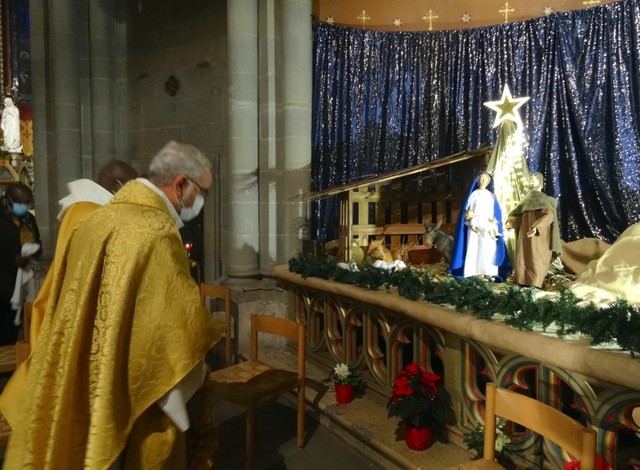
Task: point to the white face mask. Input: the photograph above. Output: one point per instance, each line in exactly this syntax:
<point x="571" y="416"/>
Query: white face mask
<point x="190" y="213"/>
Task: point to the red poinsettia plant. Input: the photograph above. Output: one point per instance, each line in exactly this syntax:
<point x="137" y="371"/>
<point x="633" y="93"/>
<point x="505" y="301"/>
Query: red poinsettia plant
<point x="418" y="397"/>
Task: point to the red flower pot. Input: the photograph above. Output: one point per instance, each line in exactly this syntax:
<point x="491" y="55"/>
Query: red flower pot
<point x="344" y="393"/>
<point x="417" y="438"/>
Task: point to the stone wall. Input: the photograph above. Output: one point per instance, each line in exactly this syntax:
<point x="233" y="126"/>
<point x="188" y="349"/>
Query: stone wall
<point x="188" y="41"/>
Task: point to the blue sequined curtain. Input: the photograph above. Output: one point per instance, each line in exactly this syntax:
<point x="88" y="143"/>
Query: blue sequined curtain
<point x="388" y="100"/>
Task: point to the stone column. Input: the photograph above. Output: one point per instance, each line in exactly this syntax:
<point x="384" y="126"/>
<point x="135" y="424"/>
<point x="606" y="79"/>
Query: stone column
<point x="296" y="124"/>
<point x="285" y="127"/>
<point x="44" y="187"/>
<point x="269" y="111"/>
<point x="73" y="99"/>
<point x="56" y="89"/>
<point x="240" y="206"/>
<point x="65" y="100"/>
<point x="102" y="84"/>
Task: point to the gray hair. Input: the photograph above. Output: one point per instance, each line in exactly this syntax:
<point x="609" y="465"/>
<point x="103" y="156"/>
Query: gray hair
<point x="176" y="159"/>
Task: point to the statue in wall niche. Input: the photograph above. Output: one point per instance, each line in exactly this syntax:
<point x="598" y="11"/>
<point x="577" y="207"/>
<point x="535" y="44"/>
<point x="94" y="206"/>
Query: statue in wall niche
<point x="478" y="245"/>
<point x="538" y="236"/>
<point x="10" y="125"/>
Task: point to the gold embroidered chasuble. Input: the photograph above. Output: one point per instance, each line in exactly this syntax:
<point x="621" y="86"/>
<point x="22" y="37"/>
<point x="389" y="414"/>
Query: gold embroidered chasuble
<point x="124" y="325"/>
<point x="15" y="389"/>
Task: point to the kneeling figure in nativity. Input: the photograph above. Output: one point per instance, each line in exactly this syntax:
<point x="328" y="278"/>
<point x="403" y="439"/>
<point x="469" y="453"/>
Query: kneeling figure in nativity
<point x="615" y="274"/>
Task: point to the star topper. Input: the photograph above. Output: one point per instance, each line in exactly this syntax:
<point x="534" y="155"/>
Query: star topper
<point x="507" y="107"/>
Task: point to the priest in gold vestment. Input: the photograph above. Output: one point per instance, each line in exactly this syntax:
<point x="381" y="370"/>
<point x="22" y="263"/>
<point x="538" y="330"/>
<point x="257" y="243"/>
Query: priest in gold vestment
<point x="125" y="332"/>
<point x="85" y="196"/>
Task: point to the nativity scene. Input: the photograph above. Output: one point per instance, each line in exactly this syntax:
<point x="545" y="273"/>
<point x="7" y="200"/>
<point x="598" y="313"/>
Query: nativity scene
<point x="324" y="233"/>
<point x="531" y="255"/>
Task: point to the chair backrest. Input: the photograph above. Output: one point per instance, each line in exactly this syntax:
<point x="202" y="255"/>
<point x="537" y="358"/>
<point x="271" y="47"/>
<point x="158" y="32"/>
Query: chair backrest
<point x="280" y="327"/>
<point x="218" y="291"/>
<point x="23" y="351"/>
<point x="215" y="291"/>
<point x="27" y="310"/>
<point x="578" y="440"/>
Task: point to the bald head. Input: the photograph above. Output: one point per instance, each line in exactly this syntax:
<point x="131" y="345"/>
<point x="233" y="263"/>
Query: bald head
<point x="114" y="174"/>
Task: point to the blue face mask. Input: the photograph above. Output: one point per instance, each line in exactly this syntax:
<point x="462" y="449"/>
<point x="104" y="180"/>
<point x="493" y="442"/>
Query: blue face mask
<point x="19" y="209"/>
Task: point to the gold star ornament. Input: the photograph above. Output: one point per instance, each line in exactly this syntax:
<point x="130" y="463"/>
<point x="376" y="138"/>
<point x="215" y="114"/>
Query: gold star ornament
<point x="507" y="107"/>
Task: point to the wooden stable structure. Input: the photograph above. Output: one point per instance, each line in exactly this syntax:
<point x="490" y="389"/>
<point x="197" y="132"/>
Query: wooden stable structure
<point x="396" y="205"/>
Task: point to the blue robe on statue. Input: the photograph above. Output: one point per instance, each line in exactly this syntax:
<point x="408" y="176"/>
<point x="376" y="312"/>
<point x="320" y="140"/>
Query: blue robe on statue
<point x="462" y="238"/>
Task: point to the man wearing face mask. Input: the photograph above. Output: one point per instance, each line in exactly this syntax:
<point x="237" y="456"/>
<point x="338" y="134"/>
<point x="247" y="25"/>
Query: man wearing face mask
<point x="17" y="227"/>
<point x="121" y="346"/>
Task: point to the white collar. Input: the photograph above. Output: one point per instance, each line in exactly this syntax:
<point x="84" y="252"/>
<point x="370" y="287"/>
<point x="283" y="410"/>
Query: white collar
<point x="172" y="210"/>
<point x="83" y="190"/>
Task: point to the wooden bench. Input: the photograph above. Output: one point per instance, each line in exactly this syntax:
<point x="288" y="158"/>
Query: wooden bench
<point x="7" y="358"/>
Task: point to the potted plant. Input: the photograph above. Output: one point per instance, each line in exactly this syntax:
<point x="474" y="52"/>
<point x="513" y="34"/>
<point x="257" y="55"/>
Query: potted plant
<point x="418" y="398"/>
<point x="474" y="439"/>
<point x="344" y="380"/>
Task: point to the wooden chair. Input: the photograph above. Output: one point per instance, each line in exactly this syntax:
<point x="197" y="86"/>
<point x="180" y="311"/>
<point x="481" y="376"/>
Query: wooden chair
<point x="27" y="310"/>
<point x="21" y="352"/>
<point x="9" y="359"/>
<point x="12" y="357"/>
<point x="569" y="434"/>
<point x="7" y="364"/>
<point x="217" y="291"/>
<point x="5" y="432"/>
<point x="253" y="382"/>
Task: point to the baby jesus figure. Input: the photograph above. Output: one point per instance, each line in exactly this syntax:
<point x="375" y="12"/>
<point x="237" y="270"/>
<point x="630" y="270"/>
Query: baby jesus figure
<point x="482" y="225"/>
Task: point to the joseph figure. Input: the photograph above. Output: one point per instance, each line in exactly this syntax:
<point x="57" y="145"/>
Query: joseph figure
<point x="122" y="343"/>
<point x="538" y="235"/>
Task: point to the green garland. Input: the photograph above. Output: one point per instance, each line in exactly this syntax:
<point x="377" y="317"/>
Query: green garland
<point x="619" y="322"/>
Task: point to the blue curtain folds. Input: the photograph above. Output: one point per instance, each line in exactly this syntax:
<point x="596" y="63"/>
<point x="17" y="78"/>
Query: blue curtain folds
<point x="388" y="100"/>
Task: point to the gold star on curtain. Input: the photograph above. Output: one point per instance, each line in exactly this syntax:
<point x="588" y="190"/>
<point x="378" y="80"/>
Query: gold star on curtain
<point x="507" y="107"/>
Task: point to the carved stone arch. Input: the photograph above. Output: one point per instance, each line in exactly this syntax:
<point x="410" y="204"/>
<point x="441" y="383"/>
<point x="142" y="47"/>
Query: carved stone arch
<point x="354" y="346"/>
<point x="25" y="177"/>
<point x="522" y="375"/>
<point x="323" y="311"/>
<point x="415" y="342"/>
<point x="377" y="347"/>
<point x="478" y="367"/>
<point x="7" y="173"/>
<point x="617" y="420"/>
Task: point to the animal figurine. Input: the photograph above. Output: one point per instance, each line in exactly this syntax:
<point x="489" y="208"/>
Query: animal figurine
<point x="377" y="251"/>
<point x="382" y="257"/>
<point x="439" y="239"/>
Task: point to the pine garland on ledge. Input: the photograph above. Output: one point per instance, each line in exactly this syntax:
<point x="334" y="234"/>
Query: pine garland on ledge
<point x="619" y="321"/>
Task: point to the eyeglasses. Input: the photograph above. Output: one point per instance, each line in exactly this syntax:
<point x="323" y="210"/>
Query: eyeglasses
<point x="203" y="191"/>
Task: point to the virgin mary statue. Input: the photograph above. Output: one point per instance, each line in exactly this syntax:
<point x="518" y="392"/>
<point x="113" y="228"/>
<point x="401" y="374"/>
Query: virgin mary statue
<point x="10" y="125"/>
